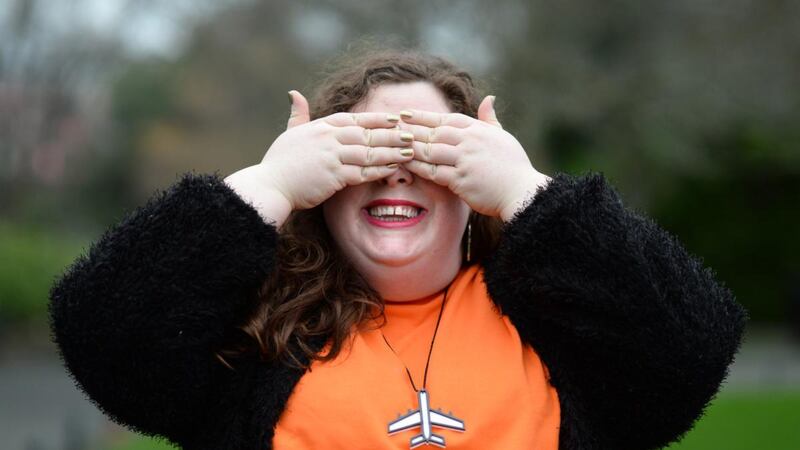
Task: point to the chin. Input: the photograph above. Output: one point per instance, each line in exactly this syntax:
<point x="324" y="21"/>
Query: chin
<point x="397" y="258"/>
<point x="398" y="262"/>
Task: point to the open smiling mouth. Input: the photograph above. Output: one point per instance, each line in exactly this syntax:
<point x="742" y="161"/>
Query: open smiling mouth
<point x="394" y="216"/>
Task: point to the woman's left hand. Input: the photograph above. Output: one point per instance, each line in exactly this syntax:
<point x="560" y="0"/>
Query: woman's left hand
<point x="475" y="158"/>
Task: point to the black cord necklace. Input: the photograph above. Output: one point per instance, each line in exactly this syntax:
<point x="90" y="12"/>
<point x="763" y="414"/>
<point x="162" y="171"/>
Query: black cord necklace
<point x="430" y="351"/>
<point x="424" y="417"/>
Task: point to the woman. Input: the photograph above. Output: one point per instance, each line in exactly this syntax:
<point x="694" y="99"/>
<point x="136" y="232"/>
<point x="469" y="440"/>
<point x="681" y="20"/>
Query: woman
<point x="450" y="295"/>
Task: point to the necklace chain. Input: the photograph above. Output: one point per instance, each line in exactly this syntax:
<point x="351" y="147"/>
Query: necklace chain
<point x="430" y="351"/>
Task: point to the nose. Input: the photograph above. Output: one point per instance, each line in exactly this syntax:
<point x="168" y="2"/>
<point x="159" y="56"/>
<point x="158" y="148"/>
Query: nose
<point x="400" y="176"/>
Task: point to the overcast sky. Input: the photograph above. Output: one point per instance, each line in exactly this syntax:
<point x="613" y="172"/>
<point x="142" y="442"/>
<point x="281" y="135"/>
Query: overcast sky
<point x="144" y="26"/>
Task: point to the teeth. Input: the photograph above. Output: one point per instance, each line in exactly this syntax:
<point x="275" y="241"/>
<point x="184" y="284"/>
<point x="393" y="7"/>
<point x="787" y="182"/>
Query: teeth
<point x="388" y="211"/>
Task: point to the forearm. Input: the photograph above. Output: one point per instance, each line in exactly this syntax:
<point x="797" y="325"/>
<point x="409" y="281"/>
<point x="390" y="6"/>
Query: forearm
<point x="637" y="334"/>
<point x="251" y="184"/>
<point x="138" y="319"/>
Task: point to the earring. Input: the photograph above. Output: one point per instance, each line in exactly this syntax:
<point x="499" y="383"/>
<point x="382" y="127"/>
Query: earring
<point x="469" y="240"/>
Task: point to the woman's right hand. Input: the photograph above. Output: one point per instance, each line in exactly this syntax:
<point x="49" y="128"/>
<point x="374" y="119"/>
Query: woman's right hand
<point x="312" y="160"/>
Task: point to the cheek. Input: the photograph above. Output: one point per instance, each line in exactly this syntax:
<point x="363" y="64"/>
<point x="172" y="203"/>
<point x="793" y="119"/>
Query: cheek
<point x="339" y="209"/>
<point x="452" y="206"/>
<point x="452" y="217"/>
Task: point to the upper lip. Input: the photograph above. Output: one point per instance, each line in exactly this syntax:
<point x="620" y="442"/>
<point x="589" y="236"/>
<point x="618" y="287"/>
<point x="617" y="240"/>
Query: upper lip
<point x="392" y="201"/>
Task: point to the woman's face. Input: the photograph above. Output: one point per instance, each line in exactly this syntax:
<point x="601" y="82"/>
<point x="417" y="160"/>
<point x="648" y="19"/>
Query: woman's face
<point x="407" y="262"/>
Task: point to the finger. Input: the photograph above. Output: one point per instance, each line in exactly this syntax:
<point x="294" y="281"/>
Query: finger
<point x="299" y="110"/>
<point x="434" y="119"/>
<point x="364" y="120"/>
<point x="362" y="155"/>
<point x="439" y="174"/>
<point x="377" y="137"/>
<point x="486" y="112"/>
<point x="436" y="153"/>
<point x="444" y="134"/>
<point x="354" y="174"/>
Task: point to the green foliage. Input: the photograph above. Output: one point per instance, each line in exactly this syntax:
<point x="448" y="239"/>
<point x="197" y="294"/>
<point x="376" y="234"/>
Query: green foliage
<point x="742" y="219"/>
<point x="30" y="261"/>
<point x="143" y="93"/>
<point x="690" y="111"/>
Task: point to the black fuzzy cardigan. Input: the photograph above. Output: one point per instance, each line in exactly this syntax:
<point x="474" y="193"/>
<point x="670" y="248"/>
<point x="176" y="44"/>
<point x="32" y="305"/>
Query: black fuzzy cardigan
<point x="637" y="335"/>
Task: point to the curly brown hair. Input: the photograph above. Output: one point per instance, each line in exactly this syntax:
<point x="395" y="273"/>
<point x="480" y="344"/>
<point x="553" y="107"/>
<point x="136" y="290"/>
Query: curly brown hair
<point x="314" y="291"/>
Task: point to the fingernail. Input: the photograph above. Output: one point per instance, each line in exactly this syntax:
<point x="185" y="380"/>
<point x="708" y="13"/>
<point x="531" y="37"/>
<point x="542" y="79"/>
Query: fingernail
<point x="406" y="136"/>
<point x="406" y="114"/>
<point x="394" y="118"/>
<point x="291" y="99"/>
<point x="407" y="152"/>
<point x="392" y="165"/>
<point x="492" y="100"/>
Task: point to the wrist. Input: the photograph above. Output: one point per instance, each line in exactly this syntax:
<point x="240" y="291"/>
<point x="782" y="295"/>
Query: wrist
<point x="255" y="187"/>
<point x="528" y="188"/>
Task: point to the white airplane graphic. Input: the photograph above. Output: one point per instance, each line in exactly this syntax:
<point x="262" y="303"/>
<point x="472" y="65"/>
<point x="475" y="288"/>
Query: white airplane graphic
<point x="425" y="418"/>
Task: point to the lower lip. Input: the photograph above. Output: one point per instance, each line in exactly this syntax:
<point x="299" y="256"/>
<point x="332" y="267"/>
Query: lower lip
<point x="398" y="224"/>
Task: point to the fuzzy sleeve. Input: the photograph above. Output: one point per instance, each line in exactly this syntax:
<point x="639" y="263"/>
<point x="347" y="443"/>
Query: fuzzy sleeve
<point x="637" y="334"/>
<point x="137" y="320"/>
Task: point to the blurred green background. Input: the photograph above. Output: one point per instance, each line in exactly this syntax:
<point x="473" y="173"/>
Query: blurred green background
<point x="690" y="108"/>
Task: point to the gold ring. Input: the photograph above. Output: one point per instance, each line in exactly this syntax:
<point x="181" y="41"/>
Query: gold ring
<point x="368" y="136"/>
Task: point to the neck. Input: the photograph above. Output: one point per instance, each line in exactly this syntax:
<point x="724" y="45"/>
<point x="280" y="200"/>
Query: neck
<point x="418" y="301"/>
<point x="415" y="289"/>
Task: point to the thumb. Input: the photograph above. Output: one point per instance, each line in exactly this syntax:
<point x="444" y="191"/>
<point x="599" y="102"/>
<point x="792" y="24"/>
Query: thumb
<point x="486" y="111"/>
<point x="299" y="113"/>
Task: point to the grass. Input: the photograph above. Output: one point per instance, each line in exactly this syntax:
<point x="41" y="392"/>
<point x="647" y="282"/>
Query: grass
<point x="142" y="443"/>
<point x="748" y="421"/>
<point x="735" y="421"/>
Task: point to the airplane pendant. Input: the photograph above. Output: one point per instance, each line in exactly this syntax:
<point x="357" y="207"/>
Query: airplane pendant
<point x="425" y="418"/>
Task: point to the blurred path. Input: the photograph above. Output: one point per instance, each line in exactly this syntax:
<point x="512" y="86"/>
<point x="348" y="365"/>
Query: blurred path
<point x="769" y="360"/>
<point x="41" y="409"/>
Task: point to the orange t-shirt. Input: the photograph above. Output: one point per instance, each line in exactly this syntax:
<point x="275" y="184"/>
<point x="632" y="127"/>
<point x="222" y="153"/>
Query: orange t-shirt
<point x="479" y="370"/>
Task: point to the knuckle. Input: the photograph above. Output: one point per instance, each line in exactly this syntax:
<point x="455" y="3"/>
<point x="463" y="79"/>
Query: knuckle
<point x="321" y="129"/>
<point x="333" y="161"/>
<point x="344" y="177"/>
<point x="339" y="181"/>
